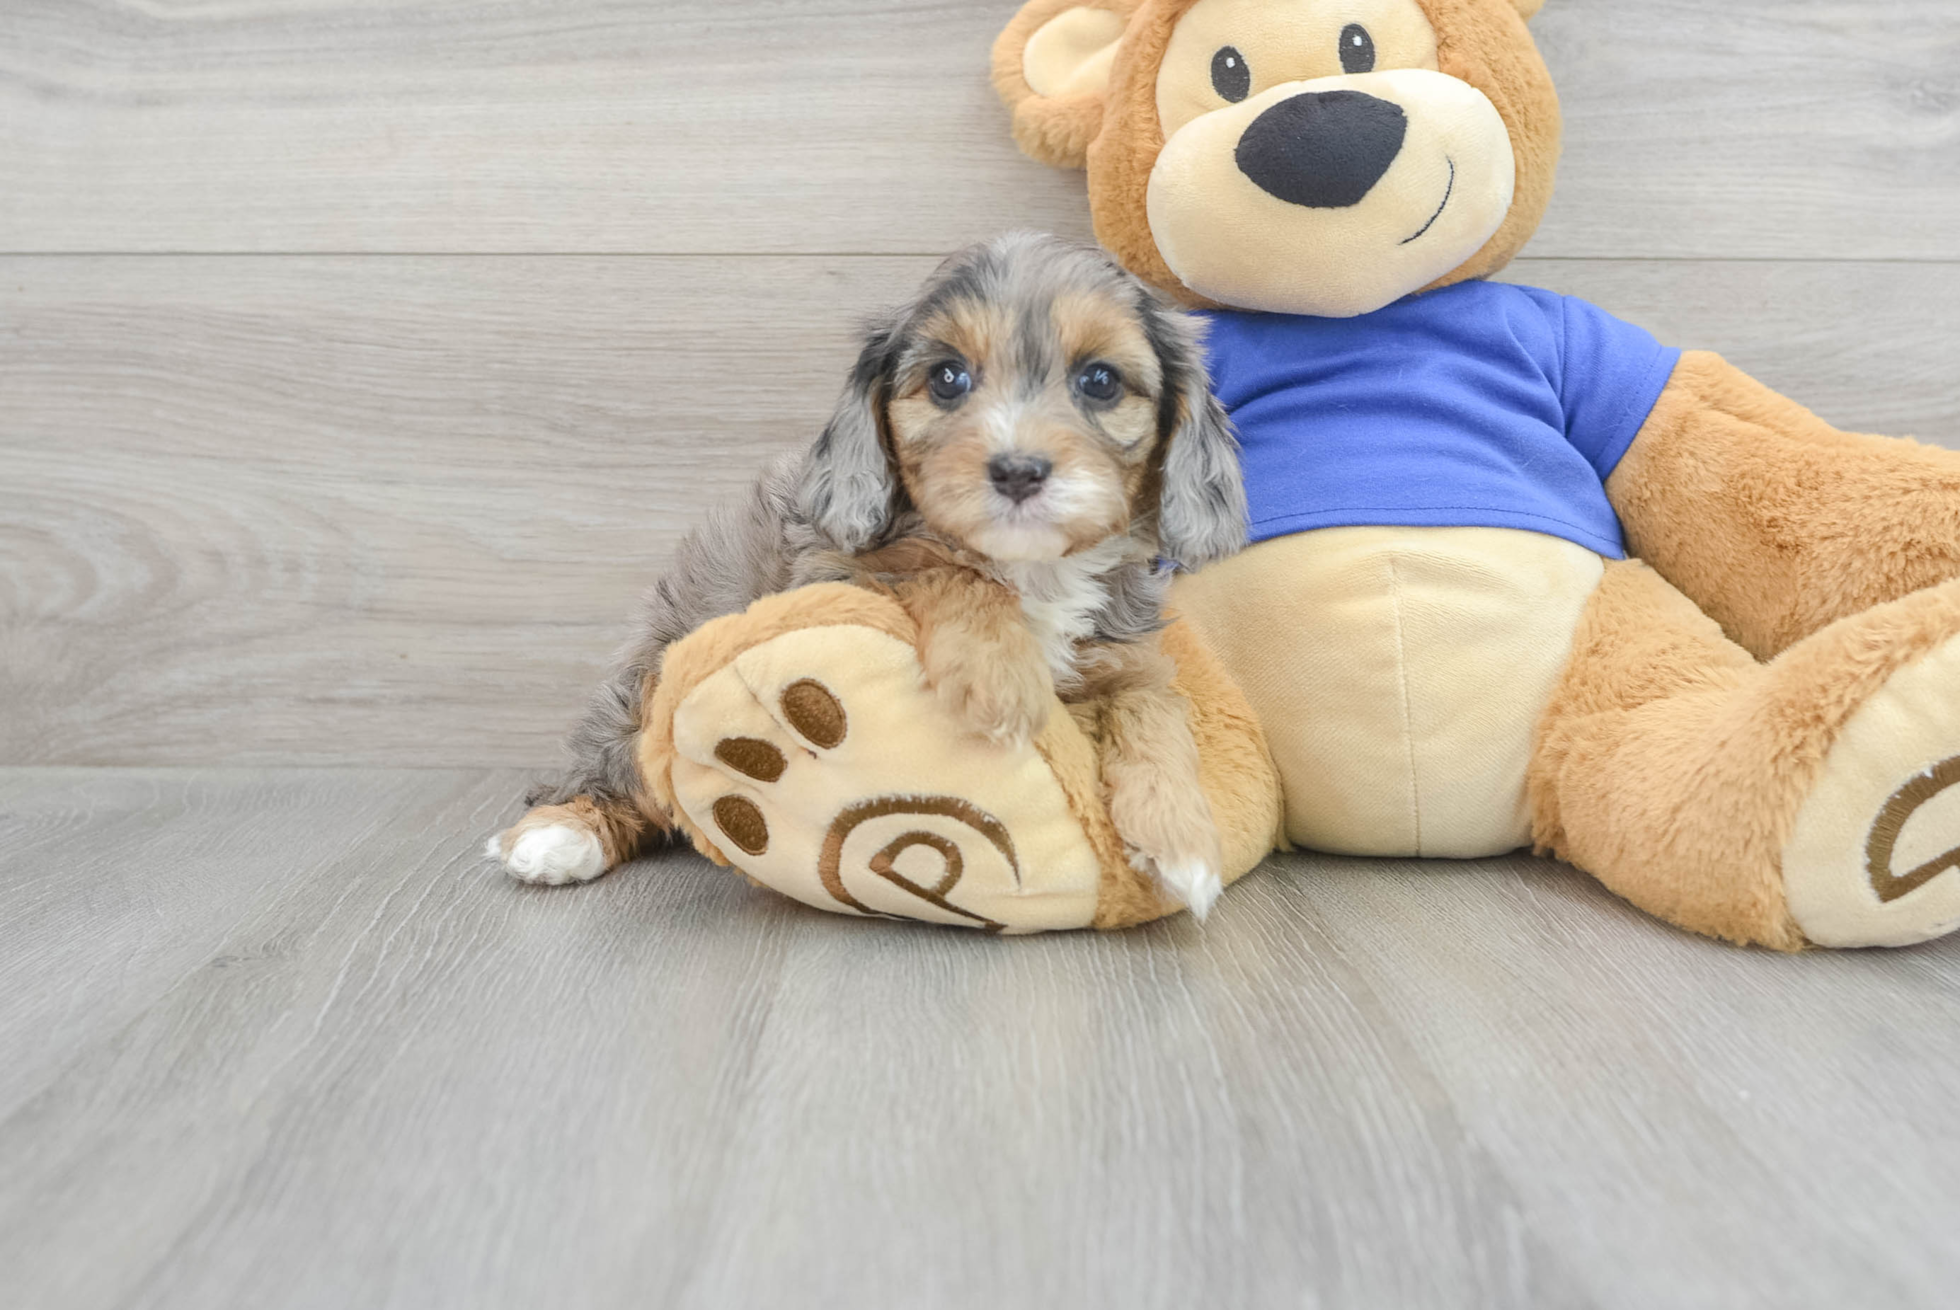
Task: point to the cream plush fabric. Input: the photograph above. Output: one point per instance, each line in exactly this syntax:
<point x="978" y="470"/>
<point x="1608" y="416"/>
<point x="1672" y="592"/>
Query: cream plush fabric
<point x="1399" y="674"/>
<point x="894" y="816"/>
<point x="1853" y="881"/>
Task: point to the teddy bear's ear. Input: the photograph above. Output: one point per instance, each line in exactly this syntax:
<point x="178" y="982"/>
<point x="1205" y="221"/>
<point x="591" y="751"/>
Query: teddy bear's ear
<point x="1529" y="8"/>
<point x="1051" y="66"/>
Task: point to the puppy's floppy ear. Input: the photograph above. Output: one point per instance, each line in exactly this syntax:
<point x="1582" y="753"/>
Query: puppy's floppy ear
<point x="849" y="489"/>
<point x="1051" y="66"/>
<point x="1201" y="512"/>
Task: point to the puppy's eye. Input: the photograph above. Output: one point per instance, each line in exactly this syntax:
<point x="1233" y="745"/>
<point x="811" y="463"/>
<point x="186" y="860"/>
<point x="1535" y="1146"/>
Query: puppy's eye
<point x="949" y="382"/>
<point x="1357" y="49"/>
<point x="1099" y="383"/>
<point x="1229" y="75"/>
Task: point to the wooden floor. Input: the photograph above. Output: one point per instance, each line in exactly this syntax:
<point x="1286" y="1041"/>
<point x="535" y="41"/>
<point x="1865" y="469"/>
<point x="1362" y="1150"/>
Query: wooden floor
<point x="358" y="363"/>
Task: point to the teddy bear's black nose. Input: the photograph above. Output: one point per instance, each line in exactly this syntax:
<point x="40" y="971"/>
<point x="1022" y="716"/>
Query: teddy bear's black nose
<point x="1323" y="149"/>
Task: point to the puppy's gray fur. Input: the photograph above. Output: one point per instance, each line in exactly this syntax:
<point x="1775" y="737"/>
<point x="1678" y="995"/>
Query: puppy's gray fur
<point x="811" y="511"/>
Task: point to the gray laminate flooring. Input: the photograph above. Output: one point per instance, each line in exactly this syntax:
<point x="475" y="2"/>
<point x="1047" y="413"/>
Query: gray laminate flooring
<point x="360" y="360"/>
<point x="281" y="1039"/>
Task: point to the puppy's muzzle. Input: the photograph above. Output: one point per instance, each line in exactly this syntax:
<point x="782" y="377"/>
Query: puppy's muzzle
<point x="1018" y="477"/>
<point x="1323" y="149"/>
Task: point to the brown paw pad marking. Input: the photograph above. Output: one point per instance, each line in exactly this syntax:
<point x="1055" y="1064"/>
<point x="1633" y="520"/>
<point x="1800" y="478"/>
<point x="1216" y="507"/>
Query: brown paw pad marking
<point x="1905" y="803"/>
<point x="741" y="819"/>
<point x="885" y="862"/>
<point x="752" y="757"/>
<point x="814" y="712"/>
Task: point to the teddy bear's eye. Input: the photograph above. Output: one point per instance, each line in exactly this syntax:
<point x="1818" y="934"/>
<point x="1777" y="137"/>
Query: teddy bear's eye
<point x="1229" y="75"/>
<point x="1357" y="50"/>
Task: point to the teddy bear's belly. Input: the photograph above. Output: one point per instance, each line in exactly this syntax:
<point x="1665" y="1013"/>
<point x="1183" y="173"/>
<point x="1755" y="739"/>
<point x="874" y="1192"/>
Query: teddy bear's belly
<point x="1399" y="674"/>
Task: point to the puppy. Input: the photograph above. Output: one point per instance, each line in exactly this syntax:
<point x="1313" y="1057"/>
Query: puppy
<point x="1020" y="457"/>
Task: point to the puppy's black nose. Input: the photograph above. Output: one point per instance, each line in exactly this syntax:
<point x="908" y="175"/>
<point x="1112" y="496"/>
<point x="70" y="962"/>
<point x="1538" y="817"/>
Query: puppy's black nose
<point x="1323" y="149"/>
<point x="1018" y="476"/>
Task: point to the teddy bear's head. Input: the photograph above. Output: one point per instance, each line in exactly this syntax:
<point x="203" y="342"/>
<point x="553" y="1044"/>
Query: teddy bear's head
<point x="1298" y="156"/>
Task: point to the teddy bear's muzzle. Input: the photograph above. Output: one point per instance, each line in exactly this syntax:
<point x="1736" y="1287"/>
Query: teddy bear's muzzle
<point x="1323" y="149"/>
<point x="1334" y="196"/>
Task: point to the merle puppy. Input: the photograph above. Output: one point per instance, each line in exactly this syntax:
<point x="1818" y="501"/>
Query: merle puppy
<point x="1020" y="457"/>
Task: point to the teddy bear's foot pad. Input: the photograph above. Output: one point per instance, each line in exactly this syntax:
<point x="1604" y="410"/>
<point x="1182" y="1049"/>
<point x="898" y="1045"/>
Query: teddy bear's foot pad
<point x="1873" y="858"/>
<point x="820" y="764"/>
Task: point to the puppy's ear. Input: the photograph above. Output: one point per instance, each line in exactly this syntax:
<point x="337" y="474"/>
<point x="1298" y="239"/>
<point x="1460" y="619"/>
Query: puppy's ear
<point x="1051" y="66"/>
<point x="849" y="489"/>
<point x="1201" y="513"/>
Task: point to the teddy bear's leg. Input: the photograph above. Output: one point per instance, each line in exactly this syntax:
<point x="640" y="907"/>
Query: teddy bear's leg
<point x="1801" y="801"/>
<point x="800" y="742"/>
<point x="1771" y="520"/>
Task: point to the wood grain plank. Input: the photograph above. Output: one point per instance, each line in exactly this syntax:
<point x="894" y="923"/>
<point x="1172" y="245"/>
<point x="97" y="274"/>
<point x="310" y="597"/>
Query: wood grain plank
<point x="1755" y="128"/>
<point x="395" y="1079"/>
<point x="1172" y="1116"/>
<point x="1747" y="1129"/>
<point x="403" y="1080"/>
<point x="414" y="1084"/>
<point x="395" y="511"/>
<point x="118" y="885"/>
<point x="466" y="470"/>
<point x="1766" y="129"/>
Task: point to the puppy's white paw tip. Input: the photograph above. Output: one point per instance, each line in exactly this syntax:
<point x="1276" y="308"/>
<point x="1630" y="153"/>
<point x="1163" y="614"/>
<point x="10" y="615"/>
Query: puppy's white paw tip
<point x="1197" y="885"/>
<point x="493" y="849"/>
<point x="558" y="853"/>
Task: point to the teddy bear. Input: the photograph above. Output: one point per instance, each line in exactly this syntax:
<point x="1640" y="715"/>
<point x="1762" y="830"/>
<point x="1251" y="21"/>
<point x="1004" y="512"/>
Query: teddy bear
<point x="1519" y="574"/>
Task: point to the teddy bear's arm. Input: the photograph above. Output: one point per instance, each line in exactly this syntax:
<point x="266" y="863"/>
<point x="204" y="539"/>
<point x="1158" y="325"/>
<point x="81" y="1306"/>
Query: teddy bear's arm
<point x="1771" y="520"/>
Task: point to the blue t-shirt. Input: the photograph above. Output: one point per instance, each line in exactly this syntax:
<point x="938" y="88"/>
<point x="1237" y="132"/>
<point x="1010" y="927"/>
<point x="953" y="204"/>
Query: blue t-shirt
<point x="1480" y="405"/>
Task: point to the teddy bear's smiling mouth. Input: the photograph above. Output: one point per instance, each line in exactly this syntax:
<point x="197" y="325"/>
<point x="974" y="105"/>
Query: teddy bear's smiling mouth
<point x="1448" y="191"/>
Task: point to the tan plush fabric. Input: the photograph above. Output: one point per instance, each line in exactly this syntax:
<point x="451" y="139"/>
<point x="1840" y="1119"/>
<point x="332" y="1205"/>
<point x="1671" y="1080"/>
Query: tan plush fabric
<point x="1486" y="43"/>
<point x="1055" y="129"/>
<point x="894" y="815"/>
<point x="1121" y="156"/>
<point x="1667" y="761"/>
<point x="1671" y="765"/>
<point x="1771" y="520"/>
<point x="1070" y="54"/>
<point x="1120" y="136"/>
<point x="1872" y="851"/>
<point x="1231" y="242"/>
<point x="714" y="645"/>
<point x="1400" y="674"/>
<point x="1235" y="768"/>
<point x="797" y="742"/>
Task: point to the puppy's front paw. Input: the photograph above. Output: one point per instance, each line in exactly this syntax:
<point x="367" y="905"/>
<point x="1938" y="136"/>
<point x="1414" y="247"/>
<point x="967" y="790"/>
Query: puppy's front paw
<point x="551" y="853"/>
<point x="1197" y="884"/>
<point x="1003" y="699"/>
<point x="1169" y="835"/>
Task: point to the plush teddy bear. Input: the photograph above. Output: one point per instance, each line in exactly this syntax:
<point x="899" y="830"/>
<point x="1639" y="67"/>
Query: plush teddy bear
<point x="1520" y="575"/>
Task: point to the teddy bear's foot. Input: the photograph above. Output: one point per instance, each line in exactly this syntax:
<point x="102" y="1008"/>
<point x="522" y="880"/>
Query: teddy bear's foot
<point x="822" y="765"/>
<point x="800" y="742"/>
<point x="1873" y="858"/>
<point x="1807" y="801"/>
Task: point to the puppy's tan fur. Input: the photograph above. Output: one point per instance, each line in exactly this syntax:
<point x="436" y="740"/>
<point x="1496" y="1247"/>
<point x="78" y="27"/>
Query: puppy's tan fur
<point x="1017" y="593"/>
